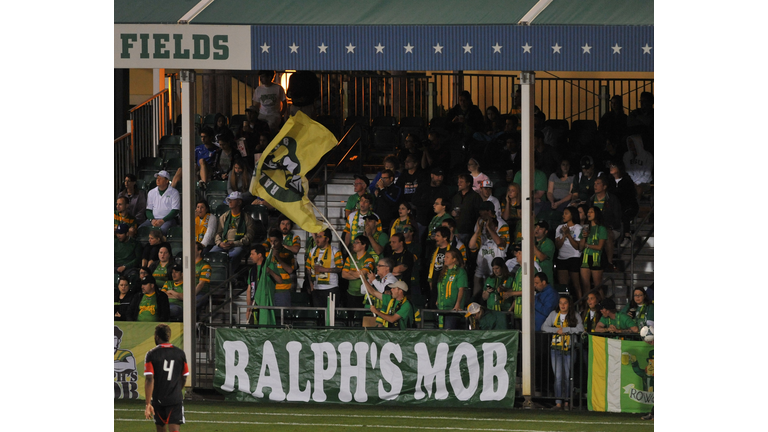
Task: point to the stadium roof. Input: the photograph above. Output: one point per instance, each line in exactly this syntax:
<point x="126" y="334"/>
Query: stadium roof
<point x="605" y="35"/>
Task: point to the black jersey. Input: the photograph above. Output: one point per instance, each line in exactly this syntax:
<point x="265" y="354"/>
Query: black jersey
<point x="168" y="365"/>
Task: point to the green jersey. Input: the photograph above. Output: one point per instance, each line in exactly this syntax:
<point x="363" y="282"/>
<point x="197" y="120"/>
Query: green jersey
<point x="394" y="307"/>
<point x="596" y="233"/>
<point x="495" y="301"/>
<point x="148" y="308"/>
<point x="173" y="286"/>
<point x="448" y="287"/>
<point x="622" y="322"/>
<point x="492" y="321"/>
<point x="547" y="247"/>
<point x="365" y="262"/>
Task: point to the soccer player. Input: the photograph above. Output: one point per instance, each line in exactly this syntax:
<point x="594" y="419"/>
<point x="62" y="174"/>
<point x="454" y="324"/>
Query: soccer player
<point x="164" y="395"/>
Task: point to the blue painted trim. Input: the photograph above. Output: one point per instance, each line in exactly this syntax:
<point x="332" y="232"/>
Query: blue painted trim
<point x="478" y="55"/>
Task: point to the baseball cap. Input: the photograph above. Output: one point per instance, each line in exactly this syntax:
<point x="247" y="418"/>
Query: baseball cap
<point x="587" y="162"/>
<point x="149" y="279"/>
<point x="487" y="205"/>
<point x="543" y="224"/>
<point x="163" y="173"/>
<point x="607" y="304"/>
<point x="472" y="309"/>
<point x="371" y="216"/>
<point x="437" y="171"/>
<point x="517" y="247"/>
<point x="177" y="267"/>
<point x="122" y="228"/>
<point x="486" y="183"/>
<point x="363" y="178"/>
<point x="234" y="195"/>
<point x="399" y="284"/>
<point x="252" y="108"/>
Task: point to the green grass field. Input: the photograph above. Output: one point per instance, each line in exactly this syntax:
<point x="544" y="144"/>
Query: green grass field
<point x="234" y="417"/>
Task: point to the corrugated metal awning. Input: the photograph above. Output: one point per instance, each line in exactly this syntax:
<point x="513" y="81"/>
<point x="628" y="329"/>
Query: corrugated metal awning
<point x="561" y="35"/>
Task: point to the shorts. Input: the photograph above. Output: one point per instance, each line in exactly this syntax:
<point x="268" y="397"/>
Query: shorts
<point x="570" y="264"/>
<point x="169" y="414"/>
<point x="592" y="264"/>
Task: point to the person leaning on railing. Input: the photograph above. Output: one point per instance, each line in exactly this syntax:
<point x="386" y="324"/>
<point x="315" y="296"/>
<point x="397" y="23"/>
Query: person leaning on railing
<point x="563" y="322"/>
<point x="614" y="322"/>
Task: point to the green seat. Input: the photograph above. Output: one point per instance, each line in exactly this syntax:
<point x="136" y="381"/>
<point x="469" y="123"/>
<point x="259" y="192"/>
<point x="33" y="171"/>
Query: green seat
<point x="216" y="192"/>
<point x="169" y="140"/>
<point x="219" y="262"/>
<point x="172" y="164"/>
<point x="221" y="209"/>
<point x="142" y="235"/>
<point x="175" y="238"/>
<point x="149" y="166"/>
<point x="209" y="120"/>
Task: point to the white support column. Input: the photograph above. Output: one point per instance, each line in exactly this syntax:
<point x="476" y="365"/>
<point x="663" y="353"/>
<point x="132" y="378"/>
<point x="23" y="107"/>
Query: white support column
<point x="188" y="103"/>
<point x="527" y="180"/>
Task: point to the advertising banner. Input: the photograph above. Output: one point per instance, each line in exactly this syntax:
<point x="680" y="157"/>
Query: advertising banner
<point x="132" y="341"/>
<point x="621" y="375"/>
<point x="182" y="46"/>
<point x="456" y="368"/>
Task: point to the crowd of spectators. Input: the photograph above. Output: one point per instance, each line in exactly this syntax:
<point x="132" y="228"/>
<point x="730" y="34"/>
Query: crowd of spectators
<point x="422" y="219"/>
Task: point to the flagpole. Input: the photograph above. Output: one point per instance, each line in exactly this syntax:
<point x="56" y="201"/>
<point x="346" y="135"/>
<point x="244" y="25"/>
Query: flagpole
<point x="345" y="248"/>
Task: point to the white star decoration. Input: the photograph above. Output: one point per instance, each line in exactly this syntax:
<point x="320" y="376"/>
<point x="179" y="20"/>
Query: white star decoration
<point x="646" y="49"/>
<point x="409" y="49"/>
<point x="527" y="48"/>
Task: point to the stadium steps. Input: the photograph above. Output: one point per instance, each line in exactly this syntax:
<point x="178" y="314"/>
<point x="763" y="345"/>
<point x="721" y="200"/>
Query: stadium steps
<point x="643" y="266"/>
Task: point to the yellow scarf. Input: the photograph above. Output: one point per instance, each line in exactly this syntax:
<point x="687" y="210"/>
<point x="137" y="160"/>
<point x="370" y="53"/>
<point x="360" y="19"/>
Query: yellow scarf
<point x="561" y="342"/>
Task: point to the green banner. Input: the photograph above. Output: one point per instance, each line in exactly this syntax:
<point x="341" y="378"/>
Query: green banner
<point x="620" y="375"/>
<point x="132" y="341"/>
<point x="447" y="368"/>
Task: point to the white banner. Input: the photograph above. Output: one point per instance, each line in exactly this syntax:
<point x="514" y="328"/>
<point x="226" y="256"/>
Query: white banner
<point x="182" y="46"/>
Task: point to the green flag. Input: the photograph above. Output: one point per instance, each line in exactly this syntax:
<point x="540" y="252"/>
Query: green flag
<point x="621" y="375"/>
<point x="265" y="292"/>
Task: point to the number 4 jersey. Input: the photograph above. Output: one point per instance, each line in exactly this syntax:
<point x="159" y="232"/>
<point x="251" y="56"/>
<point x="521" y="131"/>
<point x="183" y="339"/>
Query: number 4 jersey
<point x="168" y="365"/>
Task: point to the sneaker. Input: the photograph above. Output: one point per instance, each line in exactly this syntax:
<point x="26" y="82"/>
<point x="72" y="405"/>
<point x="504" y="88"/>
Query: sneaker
<point x="556" y="408"/>
<point x="626" y="242"/>
<point x="648" y="416"/>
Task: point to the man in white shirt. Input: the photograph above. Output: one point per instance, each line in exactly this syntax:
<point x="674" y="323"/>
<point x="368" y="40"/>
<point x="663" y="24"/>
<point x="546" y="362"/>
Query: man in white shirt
<point x="269" y="98"/>
<point x="163" y="204"/>
<point x="486" y="192"/>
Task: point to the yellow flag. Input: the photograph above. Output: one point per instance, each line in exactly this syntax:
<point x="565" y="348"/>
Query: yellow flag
<point x="280" y="177"/>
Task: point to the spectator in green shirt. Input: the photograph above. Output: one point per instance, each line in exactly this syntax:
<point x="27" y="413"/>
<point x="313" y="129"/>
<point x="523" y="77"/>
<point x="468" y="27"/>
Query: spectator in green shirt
<point x="614" y="322"/>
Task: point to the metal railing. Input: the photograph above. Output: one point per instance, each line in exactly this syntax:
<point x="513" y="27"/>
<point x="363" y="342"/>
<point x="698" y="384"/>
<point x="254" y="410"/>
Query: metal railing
<point x="150" y="121"/>
<point x="486" y="90"/>
<point x="123" y="159"/>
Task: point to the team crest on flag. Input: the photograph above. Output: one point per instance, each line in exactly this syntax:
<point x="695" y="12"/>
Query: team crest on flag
<point x="280" y="177"/>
